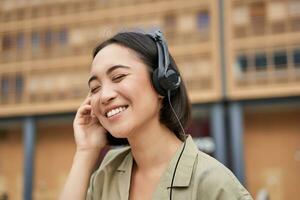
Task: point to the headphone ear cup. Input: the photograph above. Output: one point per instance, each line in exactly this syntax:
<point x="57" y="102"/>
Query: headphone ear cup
<point x="164" y="83"/>
<point x="156" y="83"/>
<point x="171" y="80"/>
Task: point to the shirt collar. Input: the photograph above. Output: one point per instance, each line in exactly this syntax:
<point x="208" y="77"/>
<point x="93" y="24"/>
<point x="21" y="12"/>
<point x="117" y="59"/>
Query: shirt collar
<point x="127" y="162"/>
<point x="185" y="166"/>
<point x="184" y="169"/>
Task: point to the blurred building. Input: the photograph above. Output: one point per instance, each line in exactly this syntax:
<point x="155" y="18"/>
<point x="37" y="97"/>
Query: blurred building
<point x="240" y="60"/>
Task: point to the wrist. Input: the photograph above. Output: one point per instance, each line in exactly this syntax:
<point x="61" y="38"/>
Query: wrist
<point x="87" y="153"/>
<point x="86" y="158"/>
<point x="86" y="150"/>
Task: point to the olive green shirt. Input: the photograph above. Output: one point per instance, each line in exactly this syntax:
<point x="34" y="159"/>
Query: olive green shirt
<point x="198" y="177"/>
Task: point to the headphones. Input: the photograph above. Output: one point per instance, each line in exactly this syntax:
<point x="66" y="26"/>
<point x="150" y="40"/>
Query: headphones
<point x="165" y="80"/>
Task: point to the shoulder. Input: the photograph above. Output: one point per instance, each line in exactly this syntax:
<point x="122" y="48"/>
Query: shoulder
<point x="215" y="181"/>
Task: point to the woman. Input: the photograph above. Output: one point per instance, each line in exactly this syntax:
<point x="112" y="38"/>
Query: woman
<point x="136" y="93"/>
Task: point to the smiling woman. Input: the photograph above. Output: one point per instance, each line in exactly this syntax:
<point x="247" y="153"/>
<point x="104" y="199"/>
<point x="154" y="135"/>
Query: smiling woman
<point x="136" y="93"/>
<point x="118" y="70"/>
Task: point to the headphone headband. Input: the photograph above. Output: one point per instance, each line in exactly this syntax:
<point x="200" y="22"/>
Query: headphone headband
<point x="165" y="79"/>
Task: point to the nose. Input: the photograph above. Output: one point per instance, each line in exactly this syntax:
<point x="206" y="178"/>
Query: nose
<point x="107" y="94"/>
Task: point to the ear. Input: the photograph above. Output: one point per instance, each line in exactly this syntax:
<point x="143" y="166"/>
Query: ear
<point x="160" y="100"/>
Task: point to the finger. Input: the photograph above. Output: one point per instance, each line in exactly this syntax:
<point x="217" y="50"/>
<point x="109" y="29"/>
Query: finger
<point x="92" y="113"/>
<point x="84" y="120"/>
<point x="87" y="119"/>
<point x="95" y="120"/>
<point x="85" y="110"/>
<point x="87" y="100"/>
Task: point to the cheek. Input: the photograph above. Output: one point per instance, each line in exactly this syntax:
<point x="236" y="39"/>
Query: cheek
<point x="141" y="93"/>
<point x="95" y="105"/>
<point x="142" y="86"/>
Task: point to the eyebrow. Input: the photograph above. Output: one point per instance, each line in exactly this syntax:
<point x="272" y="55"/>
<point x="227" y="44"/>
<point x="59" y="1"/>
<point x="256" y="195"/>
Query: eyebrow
<point x="110" y="70"/>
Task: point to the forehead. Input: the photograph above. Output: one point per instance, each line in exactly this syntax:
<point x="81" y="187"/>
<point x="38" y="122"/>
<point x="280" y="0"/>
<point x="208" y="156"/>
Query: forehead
<point x="112" y="55"/>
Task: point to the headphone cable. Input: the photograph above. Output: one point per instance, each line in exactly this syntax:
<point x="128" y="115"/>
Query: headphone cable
<point x="173" y="177"/>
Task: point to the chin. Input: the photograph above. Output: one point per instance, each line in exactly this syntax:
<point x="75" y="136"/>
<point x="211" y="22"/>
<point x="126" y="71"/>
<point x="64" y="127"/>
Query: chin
<point x="120" y="132"/>
<point x="120" y="129"/>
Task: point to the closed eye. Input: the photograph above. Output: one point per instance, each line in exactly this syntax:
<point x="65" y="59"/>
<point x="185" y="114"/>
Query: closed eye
<point x="118" y="78"/>
<point x="95" y="89"/>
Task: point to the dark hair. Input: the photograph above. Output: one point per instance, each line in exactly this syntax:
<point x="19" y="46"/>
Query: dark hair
<point x="146" y="49"/>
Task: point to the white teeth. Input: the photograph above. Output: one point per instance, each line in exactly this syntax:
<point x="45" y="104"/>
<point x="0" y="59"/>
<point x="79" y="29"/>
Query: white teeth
<point x="115" y="111"/>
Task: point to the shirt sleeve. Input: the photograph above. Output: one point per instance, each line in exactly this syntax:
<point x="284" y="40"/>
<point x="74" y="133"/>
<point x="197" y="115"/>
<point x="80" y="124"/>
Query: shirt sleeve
<point x="232" y="190"/>
<point x="219" y="183"/>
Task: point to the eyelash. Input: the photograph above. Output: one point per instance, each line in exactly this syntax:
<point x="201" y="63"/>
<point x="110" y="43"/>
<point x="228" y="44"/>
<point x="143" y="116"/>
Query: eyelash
<point x="117" y="79"/>
<point x="93" y="90"/>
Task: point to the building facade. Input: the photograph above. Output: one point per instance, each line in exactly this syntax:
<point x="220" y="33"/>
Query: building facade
<point x="240" y="60"/>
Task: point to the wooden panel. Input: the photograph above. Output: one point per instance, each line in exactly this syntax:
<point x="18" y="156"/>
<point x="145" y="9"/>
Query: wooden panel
<point x="55" y="148"/>
<point x="272" y="153"/>
<point x="11" y="163"/>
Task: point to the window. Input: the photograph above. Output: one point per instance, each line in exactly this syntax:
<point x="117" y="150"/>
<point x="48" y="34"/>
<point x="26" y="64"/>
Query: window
<point x="258" y="17"/>
<point x="170" y="24"/>
<point x="19" y="84"/>
<point x="49" y="10"/>
<point x="35" y="40"/>
<point x="76" y="6"/>
<point x="6" y="42"/>
<point x="20" y="41"/>
<point x="240" y="16"/>
<point x="170" y="21"/>
<point x="20" y="14"/>
<point x="277" y="11"/>
<point x="258" y="11"/>
<point x="294" y="8"/>
<point x="242" y="62"/>
<point x="296" y="57"/>
<point x="294" y="14"/>
<point x="63" y="36"/>
<point x="186" y="23"/>
<point x="7" y="16"/>
<point x="240" y="19"/>
<point x="48" y="38"/>
<point x="260" y="61"/>
<point x="35" y="12"/>
<point x="92" y="5"/>
<point x="280" y="59"/>
<point x="63" y="8"/>
<point x="277" y="14"/>
<point x="4" y="88"/>
<point x="203" y="20"/>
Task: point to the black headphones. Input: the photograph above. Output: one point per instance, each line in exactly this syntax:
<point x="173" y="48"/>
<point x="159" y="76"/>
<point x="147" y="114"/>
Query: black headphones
<point x="165" y="80"/>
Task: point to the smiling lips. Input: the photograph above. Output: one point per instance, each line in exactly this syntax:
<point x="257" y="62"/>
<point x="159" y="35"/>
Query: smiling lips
<point x="115" y="111"/>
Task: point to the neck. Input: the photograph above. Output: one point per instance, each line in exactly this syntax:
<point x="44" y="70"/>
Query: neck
<point x="154" y="145"/>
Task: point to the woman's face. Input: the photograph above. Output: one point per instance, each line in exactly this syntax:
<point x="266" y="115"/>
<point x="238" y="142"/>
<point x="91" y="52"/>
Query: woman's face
<point x="122" y="96"/>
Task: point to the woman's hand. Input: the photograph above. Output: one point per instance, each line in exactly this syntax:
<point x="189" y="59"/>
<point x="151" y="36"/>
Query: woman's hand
<point x="89" y="133"/>
<point x="90" y="138"/>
